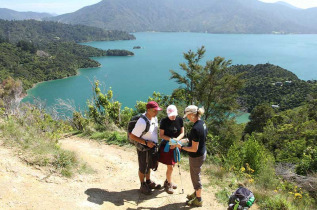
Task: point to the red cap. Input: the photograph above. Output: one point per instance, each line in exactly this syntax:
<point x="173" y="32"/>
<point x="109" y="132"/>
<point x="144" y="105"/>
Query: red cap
<point x="153" y="104"/>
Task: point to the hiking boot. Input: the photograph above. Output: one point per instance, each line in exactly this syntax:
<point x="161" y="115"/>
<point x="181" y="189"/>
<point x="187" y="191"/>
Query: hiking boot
<point x="173" y="185"/>
<point x="153" y="185"/>
<point x="195" y="202"/>
<point x="145" y="189"/>
<point x="169" y="188"/>
<point x="191" y="196"/>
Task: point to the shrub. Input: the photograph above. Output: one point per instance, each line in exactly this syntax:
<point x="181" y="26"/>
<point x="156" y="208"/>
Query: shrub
<point x="309" y="162"/>
<point x="250" y="154"/>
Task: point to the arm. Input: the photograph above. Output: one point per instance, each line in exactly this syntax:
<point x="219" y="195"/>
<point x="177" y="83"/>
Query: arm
<point x="141" y="141"/>
<point x="193" y="148"/>
<point x="162" y="136"/>
<point x="181" y="135"/>
<point x="137" y="132"/>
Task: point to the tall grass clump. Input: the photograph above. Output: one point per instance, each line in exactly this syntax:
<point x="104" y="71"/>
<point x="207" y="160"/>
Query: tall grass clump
<point x="36" y="134"/>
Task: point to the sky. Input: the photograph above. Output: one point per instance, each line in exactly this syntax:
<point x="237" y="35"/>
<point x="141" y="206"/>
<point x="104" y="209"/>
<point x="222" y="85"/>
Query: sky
<point x="304" y="4"/>
<point x="67" y="6"/>
<point x="49" y="6"/>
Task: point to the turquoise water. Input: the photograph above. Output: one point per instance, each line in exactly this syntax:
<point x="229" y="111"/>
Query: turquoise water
<point x="135" y="78"/>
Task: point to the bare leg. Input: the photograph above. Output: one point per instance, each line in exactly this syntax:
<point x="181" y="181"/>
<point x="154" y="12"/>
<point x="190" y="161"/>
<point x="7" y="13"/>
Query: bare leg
<point x="198" y="193"/>
<point x="148" y="175"/>
<point x="141" y="177"/>
<point x="169" y="173"/>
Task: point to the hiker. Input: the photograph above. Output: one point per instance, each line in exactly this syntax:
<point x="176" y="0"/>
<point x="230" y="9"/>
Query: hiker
<point x="197" y="151"/>
<point x="150" y="141"/>
<point x="171" y="127"/>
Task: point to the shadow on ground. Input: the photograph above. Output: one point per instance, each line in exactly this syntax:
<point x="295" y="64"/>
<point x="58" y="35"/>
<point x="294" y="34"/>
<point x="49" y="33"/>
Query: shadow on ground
<point x="99" y="196"/>
<point x="166" y="207"/>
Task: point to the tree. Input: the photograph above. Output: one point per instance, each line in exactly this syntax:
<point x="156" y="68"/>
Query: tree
<point x="312" y="109"/>
<point x="211" y="86"/>
<point x="259" y="118"/>
<point x="10" y="94"/>
<point x="218" y="90"/>
<point x="192" y="75"/>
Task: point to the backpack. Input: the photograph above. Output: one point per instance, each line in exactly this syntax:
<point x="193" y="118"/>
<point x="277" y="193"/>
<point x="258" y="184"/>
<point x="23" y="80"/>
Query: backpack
<point x="241" y="199"/>
<point x="153" y="158"/>
<point x="131" y="126"/>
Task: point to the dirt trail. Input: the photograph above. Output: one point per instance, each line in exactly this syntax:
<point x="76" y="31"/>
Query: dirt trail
<point x="114" y="185"/>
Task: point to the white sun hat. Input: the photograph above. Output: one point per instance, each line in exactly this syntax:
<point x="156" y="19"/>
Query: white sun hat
<point x="171" y="110"/>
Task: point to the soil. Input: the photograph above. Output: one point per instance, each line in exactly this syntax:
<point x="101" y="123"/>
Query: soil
<point x="113" y="185"/>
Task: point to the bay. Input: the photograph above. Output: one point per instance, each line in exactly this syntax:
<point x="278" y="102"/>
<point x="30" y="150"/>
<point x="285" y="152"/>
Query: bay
<point x="136" y="77"/>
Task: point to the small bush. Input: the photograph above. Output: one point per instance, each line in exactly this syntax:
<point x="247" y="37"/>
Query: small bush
<point x="273" y="202"/>
<point x="248" y="155"/>
<point x="309" y="162"/>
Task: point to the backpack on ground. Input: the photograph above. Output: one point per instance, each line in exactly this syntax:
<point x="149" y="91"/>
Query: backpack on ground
<point x="131" y="126"/>
<point x="241" y="199"/>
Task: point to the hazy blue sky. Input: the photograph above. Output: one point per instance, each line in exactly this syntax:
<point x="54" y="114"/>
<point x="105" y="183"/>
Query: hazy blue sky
<point x="50" y="6"/>
<point x="66" y="6"/>
<point x="298" y="3"/>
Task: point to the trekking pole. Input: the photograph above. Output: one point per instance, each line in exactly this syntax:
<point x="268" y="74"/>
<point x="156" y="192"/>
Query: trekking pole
<point x="180" y="175"/>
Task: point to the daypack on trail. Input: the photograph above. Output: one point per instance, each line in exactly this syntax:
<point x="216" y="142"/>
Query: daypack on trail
<point x="131" y="126"/>
<point x="241" y="199"/>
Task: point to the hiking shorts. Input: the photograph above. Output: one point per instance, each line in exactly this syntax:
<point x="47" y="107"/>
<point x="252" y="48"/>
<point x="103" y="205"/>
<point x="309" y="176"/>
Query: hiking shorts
<point x="195" y="164"/>
<point x="166" y="158"/>
<point x="143" y="165"/>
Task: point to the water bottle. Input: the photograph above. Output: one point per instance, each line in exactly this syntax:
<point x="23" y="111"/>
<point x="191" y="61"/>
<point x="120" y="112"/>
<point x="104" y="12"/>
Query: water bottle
<point x="237" y="202"/>
<point x="250" y="201"/>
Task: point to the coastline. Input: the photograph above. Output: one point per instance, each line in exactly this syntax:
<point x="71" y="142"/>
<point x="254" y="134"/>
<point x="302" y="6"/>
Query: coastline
<point x="38" y="83"/>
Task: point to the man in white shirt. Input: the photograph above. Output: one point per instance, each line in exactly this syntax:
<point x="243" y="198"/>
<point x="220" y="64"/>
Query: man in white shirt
<point x="149" y="139"/>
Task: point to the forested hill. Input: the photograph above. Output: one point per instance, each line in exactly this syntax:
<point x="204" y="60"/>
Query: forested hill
<point x="212" y="16"/>
<point x="47" y="31"/>
<point x="23" y="63"/>
<point x="270" y="84"/>
<point x="8" y="14"/>
<point x="35" y="51"/>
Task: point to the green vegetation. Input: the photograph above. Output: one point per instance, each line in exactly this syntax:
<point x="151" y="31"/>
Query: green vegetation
<point x="42" y="32"/>
<point x="36" y="55"/>
<point x="35" y="134"/>
<point x="211" y="85"/>
<point x="267" y="83"/>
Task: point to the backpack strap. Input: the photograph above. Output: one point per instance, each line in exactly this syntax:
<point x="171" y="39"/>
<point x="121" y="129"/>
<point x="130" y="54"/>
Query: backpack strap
<point x="147" y="127"/>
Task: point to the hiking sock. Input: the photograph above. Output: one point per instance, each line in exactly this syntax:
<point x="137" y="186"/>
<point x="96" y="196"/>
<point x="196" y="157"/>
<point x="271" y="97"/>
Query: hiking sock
<point x="148" y="181"/>
<point x="199" y="199"/>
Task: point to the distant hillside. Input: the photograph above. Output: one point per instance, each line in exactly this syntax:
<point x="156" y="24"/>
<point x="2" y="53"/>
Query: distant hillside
<point x="8" y="14"/>
<point x="41" y="32"/>
<point x="213" y="16"/>
<point x="35" y="51"/>
<point x="286" y="4"/>
<point x="267" y="83"/>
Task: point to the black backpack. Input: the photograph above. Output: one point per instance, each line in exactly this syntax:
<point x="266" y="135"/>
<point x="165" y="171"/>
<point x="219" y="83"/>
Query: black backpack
<point x="131" y="126"/>
<point x="241" y="199"/>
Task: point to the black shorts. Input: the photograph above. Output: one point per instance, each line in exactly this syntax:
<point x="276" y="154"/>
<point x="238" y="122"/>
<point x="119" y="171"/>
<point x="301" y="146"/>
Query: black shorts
<point x="144" y="158"/>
